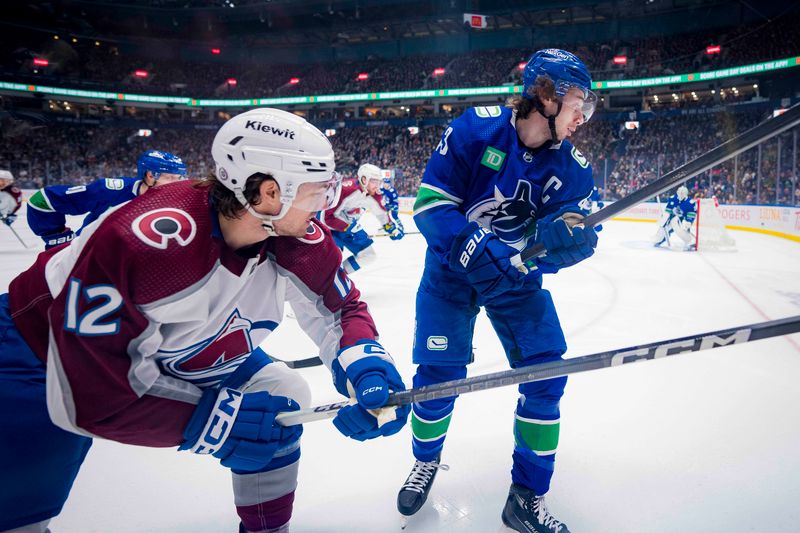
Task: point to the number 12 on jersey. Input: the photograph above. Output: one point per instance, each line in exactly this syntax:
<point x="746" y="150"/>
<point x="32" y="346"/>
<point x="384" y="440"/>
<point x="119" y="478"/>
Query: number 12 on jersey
<point x="101" y="300"/>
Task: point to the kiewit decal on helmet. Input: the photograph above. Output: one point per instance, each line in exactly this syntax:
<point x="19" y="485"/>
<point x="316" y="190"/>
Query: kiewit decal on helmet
<point x="284" y="146"/>
<point x="683" y="192"/>
<point x="566" y="71"/>
<point x="368" y="173"/>
<point x="158" y="163"/>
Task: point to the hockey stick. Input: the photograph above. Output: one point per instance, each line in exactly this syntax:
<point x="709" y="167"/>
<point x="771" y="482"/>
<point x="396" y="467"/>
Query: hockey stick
<point x="16" y="235"/>
<point x="565" y="367"/>
<point x="755" y="135"/>
<point x="299" y="363"/>
<point x="387" y="235"/>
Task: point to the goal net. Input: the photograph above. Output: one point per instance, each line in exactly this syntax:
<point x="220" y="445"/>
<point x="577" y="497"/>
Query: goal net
<point x="710" y="233"/>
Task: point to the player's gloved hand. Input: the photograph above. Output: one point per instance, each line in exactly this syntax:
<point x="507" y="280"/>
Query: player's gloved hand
<point x="492" y="267"/>
<point x="565" y="244"/>
<point x="239" y="428"/>
<point x="394" y="229"/>
<point x="367" y="373"/>
<point x="9" y="219"/>
<point x="55" y="239"/>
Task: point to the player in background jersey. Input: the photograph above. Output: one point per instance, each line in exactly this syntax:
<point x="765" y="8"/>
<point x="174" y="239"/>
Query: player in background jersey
<point x="48" y="207"/>
<point x="500" y="180"/>
<point x="678" y="217"/>
<point x="391" y="200"/>
<point x="344" y="219"/>
<point x="10" y="198"/>
<point x="144" y="329"/>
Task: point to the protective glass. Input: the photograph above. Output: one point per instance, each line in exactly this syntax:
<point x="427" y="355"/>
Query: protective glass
<point x="586" y="106"/>
<point x="318" y="195"/>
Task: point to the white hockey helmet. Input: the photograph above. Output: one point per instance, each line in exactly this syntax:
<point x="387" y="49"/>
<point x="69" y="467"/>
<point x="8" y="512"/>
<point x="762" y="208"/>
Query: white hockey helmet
<point x="683" y="192"/>
<point x="6" y="177"/>
<point x="283" y="145"/>
<point x="367" y="173"/>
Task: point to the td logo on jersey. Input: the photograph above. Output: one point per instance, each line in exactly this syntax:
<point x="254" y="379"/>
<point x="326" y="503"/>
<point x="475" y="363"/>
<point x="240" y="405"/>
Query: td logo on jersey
<point x="156" y="228"/>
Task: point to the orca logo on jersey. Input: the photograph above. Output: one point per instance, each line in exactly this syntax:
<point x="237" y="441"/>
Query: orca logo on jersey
<point x="314" y="234"/>
<point x="156" y="228"/>
<point x="215" y="357"/>
<point x="510" y="218"/>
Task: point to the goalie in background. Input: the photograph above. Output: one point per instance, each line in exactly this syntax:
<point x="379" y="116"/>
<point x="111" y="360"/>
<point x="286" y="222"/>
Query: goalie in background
<point x="678" y="217"/>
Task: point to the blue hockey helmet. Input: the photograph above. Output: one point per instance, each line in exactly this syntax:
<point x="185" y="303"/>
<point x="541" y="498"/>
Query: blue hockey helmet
<point x="158" y="163"/>
<point x="387" y="183"/>
<point x="565" y="70"/>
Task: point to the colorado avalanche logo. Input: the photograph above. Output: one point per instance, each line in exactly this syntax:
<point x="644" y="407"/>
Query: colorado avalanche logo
<point x="210" y="360"/>
<point x="314" y="234"/>
<point x="508" y="218"/>
<point x="156" y="228"/>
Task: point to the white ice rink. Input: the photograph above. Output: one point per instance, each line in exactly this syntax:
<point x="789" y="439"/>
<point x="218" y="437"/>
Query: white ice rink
<point x="702" y="442"/>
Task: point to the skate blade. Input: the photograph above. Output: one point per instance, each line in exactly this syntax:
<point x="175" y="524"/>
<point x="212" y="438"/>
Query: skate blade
<point x="403" y="521"/>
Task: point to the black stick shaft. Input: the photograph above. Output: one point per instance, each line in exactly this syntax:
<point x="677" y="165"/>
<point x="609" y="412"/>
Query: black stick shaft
<point x="554" y="369"/>
<point x="756" y="135"/>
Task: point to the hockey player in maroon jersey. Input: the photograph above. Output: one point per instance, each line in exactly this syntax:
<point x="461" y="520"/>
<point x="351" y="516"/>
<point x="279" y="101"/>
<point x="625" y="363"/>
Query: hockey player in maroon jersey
<point x="343" y="219"/>
<point x="145" y="329"/>
<point x="10" y="198"/>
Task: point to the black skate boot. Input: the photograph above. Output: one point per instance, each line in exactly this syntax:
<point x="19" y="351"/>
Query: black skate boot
<point x="415" y="490"/>
<point x="526" y="512"/>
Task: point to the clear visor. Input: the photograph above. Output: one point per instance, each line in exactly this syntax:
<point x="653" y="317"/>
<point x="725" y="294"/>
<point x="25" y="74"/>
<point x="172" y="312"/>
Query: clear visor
<point x="584" y="106"/>
<point x="318" y="195"/>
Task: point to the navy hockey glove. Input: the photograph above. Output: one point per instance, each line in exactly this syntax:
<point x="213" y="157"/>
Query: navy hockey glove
<point x="55" y="239"/>
<point x="394" y="229"/>
<point x="566" y="245"/>
<point x="9" y="219"/>
<point x="487" y="261"/>
<point x="239" y="428"/>
<point x="367" y="373"/>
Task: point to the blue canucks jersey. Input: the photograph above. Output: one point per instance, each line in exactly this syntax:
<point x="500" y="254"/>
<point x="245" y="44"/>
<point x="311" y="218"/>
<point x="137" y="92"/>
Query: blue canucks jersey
<point x="48" y="207"/>
<point x="390" y="200"/>
<point x="683" y="209"/>
<point x="480" y="171"/>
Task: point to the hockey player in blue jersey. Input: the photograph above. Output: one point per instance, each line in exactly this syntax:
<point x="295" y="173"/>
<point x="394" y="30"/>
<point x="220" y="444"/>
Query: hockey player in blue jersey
<point x="48" y="207"/>
<point x="678" y="217"/>
<point x="390" y="198"/>
<point x="501" y="179"/>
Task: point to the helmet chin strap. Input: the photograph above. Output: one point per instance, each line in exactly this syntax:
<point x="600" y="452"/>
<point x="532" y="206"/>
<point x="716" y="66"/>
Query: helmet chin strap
<point x="551" y="119"/>
<point x="267" y="221"/>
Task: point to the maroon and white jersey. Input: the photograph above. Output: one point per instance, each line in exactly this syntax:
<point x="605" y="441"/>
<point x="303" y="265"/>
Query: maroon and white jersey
<point x="10" y="200"/>
<point x="353" y="202"/>
<point x="148" y="306"/>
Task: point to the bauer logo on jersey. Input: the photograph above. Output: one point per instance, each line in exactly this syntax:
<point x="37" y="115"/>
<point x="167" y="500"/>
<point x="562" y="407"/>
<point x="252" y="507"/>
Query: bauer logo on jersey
<point x="156" y="228"/>
<point x="213" y="358"/>
<point x="507" y="217"/>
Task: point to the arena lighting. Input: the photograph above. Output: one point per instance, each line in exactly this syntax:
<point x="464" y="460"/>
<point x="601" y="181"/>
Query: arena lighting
<point x="362" y="76"/>
<point x="438" y="71"/>
<point x="413" y="130"/>
<point x="330" y="133"/>
<point x="144" y="133"/>
<point x="216" y="51"/>
<point x="521" y="66"/>
<point x="232" y="81"/>
<point x="41" y="62"/>
<point x="713" y="49"/>
<point x="294" y="81"/>
<point x="140" y="73"/>
<point x="620" y="60"/>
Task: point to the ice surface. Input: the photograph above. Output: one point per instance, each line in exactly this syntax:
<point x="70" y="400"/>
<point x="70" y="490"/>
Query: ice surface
<point x="704" y="442"/>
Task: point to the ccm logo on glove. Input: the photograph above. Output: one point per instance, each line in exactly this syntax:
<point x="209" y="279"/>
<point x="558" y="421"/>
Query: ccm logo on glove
<point x="469" y="249"/>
